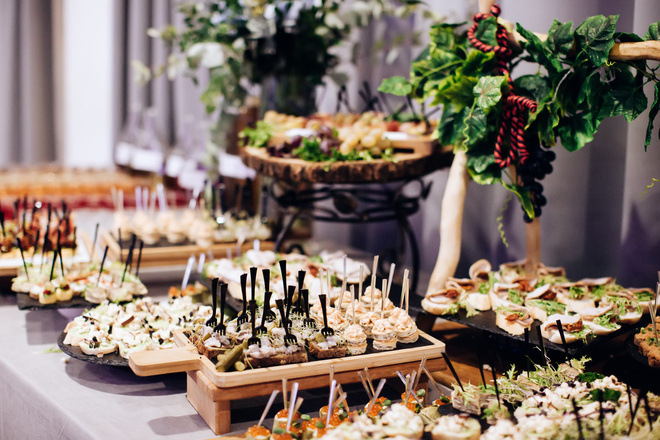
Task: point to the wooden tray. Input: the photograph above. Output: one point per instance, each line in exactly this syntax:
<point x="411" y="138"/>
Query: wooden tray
<point x="211" y="393"/>
<point x="185" y="358"/>
<point x="408" y="165"/>
<point x="163" y="254"/>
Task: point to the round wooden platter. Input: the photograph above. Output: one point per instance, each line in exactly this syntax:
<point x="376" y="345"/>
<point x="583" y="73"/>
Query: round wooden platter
<point x="406" y="166"/>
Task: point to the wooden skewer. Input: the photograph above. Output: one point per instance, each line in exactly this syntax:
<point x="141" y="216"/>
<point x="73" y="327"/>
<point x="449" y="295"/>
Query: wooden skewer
<point x="383" y="298"/>
<point x="268" y="405"/>
<point x="294" y="398"/>
<point x="435" y="384"/>
<point x="284" y="383"/>
<point x="364" y="384"/>
<point x="330" y="400"/>
<point x="371" y="385"/>
<point x="299" y="402"/>
<point x="390" y="278"/>
<point x="381" y="384"/>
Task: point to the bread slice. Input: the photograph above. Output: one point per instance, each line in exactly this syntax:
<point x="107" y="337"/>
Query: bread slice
<point x="320" y="352"/>
<point x="298" y="357"/>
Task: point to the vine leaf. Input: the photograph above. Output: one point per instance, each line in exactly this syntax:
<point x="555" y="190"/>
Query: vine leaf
<point x="396" y="85"/>
<point x="576" y="132"/>
<point x="539" y="51"/>
<point x="560" y="37"/>
<point x="653" y="112"/>
<point x="524" y="197"/>
<point x="595" y="36"/>
<point x="654" y="32"/>
<point x="474" y="127"/>
<point x="488" y="90"/>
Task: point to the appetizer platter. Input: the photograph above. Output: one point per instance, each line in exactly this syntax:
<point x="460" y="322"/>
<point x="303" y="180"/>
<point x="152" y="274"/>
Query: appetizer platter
<point x="343" y="148"/>
<point x="77" y="285"/>
<point x="169" y="236"/>
<point x="644" y="346"/>
<point x="571" y="316"/>
<point x="34" y="231"/>
<point x="109" y="332"/>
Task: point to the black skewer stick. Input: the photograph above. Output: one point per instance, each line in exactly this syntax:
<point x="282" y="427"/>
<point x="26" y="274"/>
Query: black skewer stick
<point x="601" y="414"/>
<point x="451" y="368"/>
<point x="121" y="249"/>
<point x="562" y="336"/>
<point x="50" y="212"/>
<point x="131" y="249"/>
<point x="96" y="235"/>
<point x="59" y="251"/>
<point x="527" y="366"/>
<point x="634" y="413"/>
<point x="630" y="404"/>
<point x="63" y="208"/>
<point x="538" y="332"/>
<point x="75" y="238"/>
<point x="23" y="225"/>
<point x="648" y="410"/>
<point x="2" y="223"/>
<point x="243" y="317"/>
<point x="577" y="420"/>
<point x="20" y="248"/>
<point x="137" y="266"/>
<point x="129" y="259"/>
<point x="52" y="266"/>
<point x="17" y="202"/>
<point x="105" y="254"/>
<point x="45" y="246"/>
<point x="253" y="280"/>
<point x="497" y="389"/>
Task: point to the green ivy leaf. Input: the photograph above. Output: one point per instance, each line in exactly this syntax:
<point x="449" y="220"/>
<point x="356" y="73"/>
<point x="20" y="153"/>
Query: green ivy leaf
<point x="449" y="131"/>
<point x="458" y="90"/>
<point x="481" y="163"/>
<point x="576" y="131"/>
<point x="474" y="127"/>
<point x="596" y="37"/>
<point x="541" y="54"/>
<point x="626" y="37"/>
<point x="560" y="37"/>
<point x="524" y="196"/>
<point x="534" y="86"/>
<point x="655" y="107"/>
<point x="488" y="90"/>
<point x="487" y="30"/>
<point x="489" y="176"/>
<point x="545" y="120"/>
<point x="477" y="62"/>
<point x="654" y="32"/>
<point x="396" y="85"/>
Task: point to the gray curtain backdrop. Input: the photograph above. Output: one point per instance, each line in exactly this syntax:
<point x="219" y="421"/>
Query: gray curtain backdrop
<point x="27" y="128"/>
<point x="595" y="224"/>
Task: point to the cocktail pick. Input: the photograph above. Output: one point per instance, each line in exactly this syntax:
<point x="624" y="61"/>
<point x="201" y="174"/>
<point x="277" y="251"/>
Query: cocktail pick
<point x="129" y="259"/>
<point x="381" y="384"/>
<point x="630" y="404"/>
<point x="383" y="297"/>
<point x="105" y="253"/>
<point x="294" y="398"/>
<point x="435" y="384"/>
<point x="343" y="283"/>
<point x="75" y="238"/>
<point x="577" y="420"/>
<point x="296" y="406"/>
<point x="634" y="412"/>
<point x="2" y="223"/>
<point x="186" y="274"/>
<point x="284" y="393"/>
<point x="253" y="280"/>
<point x="96" y="235"/>
<point x="361" y="281"/>
<point x="371" y="385"/>
<point x="131" y="249"/>
<point x="648" y="410"/>
<point x="268" y="405"/>
<point x="419" y="372"/>
<point x="451" y="368"/>
<point x="330" y="400"/>
<point x="373" y="283"/>
<point x="390" y="278"/>
<point x="353" y="303"/>
<point x="364" y="384"/>
<point x="137" y="266"/>
<point x="20" y="248"/>
<point x="562" y="336"/>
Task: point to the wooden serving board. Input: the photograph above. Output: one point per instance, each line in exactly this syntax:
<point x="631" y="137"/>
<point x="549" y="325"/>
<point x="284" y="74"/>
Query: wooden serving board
<point x="186" y="358"/>
<point x="172" y="255"/>
<point x="407" y="165"/>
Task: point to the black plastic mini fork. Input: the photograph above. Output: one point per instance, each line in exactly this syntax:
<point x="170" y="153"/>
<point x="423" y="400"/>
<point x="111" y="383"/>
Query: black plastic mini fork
<point x="243" y="317"/>
<point x="264" y="315"/>
<point x="221" y="328"/>
<point x="211" y="322"/>
<point x="325" y="331"/>
<point x="308" y="322"/>
<point x="289" y="339"/>
<point x="253" y="311"/>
